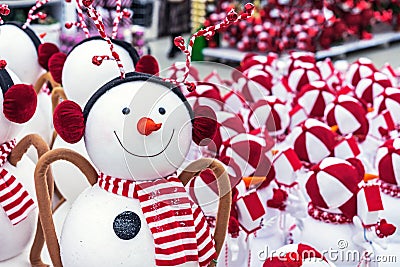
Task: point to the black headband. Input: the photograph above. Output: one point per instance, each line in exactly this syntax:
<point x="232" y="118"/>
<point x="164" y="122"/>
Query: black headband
<point x="126" y="46"/>
<point x="35" y="39"/>
<point x="134" y="76"/>
<point x="5" y="81"/>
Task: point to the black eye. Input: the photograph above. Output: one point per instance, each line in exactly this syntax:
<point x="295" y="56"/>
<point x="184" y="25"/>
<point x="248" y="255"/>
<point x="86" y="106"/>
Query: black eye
<point x="127" y="225"/>
<point x="162" y="111"/>
<point x="126" y="111"/>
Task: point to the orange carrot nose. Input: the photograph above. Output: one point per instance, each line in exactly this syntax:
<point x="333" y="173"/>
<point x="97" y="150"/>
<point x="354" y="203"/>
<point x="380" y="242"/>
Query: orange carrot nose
<point x="146" y="126"/>
<point x="368" y="177"/>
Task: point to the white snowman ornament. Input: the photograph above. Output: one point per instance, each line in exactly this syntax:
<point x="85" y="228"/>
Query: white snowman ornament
<point x="20" y="46"/>
<point x="137" y="132"/>
<point x="18" y="213"/>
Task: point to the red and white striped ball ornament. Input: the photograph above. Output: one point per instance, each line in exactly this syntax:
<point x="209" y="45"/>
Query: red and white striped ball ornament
<point x="389" y="100"/>
<point x="381" y="125"/>
<point x="346" y="148"/>
<point x="286" y="163"/>
<point x="203" y="190"/>
<point x="335" y="81"/>
<point x="388" y="162"/>
<point x="326" y="68"/>
<point x="206" y="94"/>
<point x="281" y="90"/>
<point x="177" y="70"/>
<point x="271" y="114"/>
<point x="370" y="87"/>
<point x="297" y="255"/>
<point x="267" y="62"/>
<point x="297" y="116"/>
<point x="302" y="74"/>
<point x="312" y="141"/>
<point x="258" y="85"/>
<point x="214" y="78"/>
<point x="314" y="97"/>
<point x="333" y="185"/>
<point x="250" y="153"/>
<point x="348" y="115"/>
<point x="299" y="57"/>
<point x="234" y="102"/>
<point x="330" y="75"/>
<point x="228" y="126"/>
<point x="393" y="76"/>
<point x="358" y="70"/>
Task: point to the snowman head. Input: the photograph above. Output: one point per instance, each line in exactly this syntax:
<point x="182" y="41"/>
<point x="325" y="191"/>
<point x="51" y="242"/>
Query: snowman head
<point x="18" y="104"/>
<point x="139" y="128"/>
<point x="19" y="47"/>
<point x="69" y="69"/>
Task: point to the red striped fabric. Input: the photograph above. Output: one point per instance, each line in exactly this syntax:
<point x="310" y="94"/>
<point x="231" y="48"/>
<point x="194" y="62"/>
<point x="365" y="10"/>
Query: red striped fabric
<point x="14" y="199"/>
<point x="180" y="231"/>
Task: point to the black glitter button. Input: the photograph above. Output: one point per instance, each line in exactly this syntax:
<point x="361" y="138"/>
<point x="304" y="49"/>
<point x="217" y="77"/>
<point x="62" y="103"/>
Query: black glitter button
<point x="127" y="225"/>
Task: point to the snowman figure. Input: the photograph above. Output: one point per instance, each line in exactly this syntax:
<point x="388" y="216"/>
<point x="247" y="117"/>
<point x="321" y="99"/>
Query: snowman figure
<point x="138" y="203"/>
<point x="27" y="57"/>
<point x="18" y="213"/>
<point x="387" y="160"/>
<point x="345" y="208"/>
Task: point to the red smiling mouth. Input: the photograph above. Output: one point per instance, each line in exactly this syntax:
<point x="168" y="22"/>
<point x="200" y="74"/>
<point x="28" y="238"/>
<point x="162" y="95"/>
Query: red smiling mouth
<point x="145" y="156"/>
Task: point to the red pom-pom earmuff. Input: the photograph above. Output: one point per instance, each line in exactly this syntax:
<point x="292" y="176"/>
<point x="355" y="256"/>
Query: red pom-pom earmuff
<point x="69" y="122"/>
<point x="204" y="125"/>
<point x="56" y="65"/>
<point x="45" y="51"/>
<point x="148" y="64"/>
<point x="20" y="103"/>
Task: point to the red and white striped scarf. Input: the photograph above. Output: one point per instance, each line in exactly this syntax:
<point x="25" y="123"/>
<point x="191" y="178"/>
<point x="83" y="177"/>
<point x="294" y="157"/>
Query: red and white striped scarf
<point x="14" y="199"/>
<point x="180" y="231"/>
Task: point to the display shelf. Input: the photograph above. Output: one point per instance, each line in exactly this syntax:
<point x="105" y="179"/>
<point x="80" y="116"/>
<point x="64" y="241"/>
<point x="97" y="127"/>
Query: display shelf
<point x="232" y="54"/>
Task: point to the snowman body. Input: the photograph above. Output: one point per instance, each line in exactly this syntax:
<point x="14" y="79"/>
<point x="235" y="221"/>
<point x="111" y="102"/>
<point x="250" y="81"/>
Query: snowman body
<point x="332" y="186"/>
<point x="391" y="214"/>
<point x="92" y="217"/>
<point x="14" y="239"/>
<point x="271" y="233"/>
<point x="106" y="218"/>
<point x="336" y="238"/>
